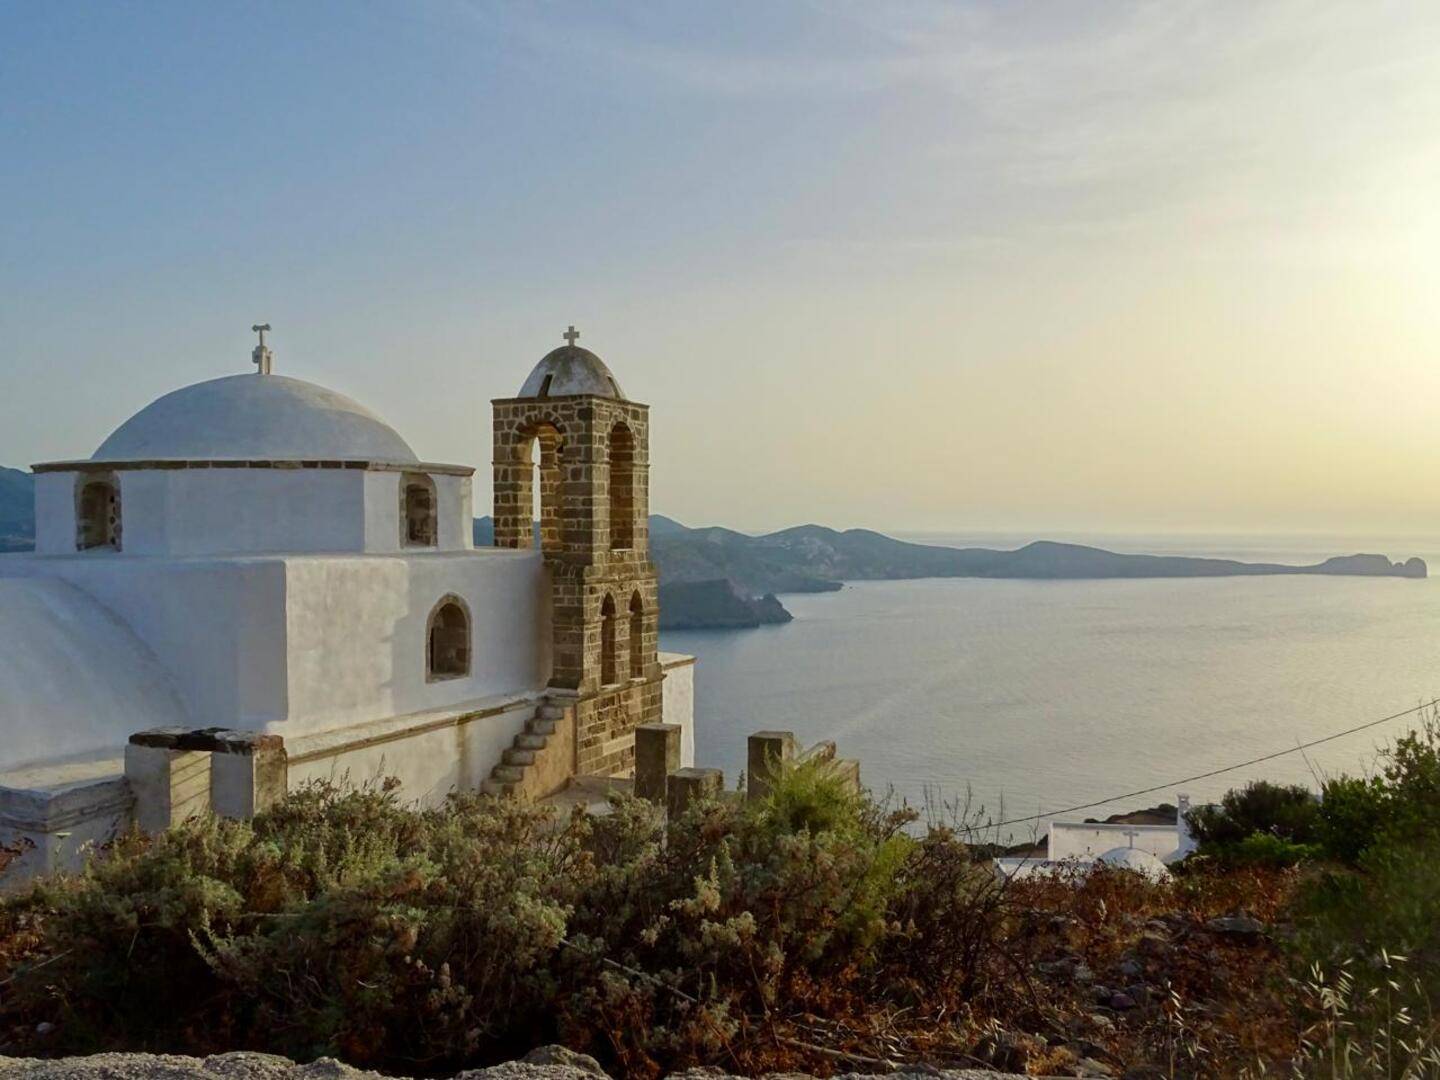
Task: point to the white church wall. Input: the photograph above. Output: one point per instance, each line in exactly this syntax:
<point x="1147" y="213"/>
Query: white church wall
<point x="457" y="512"/>
<point x="74" y="678"/>
<point x="216" y="626"/>
<point x="677" y="701"/>
<point x="431" y="754"/>
<point x="232" y="511"/>
<point x="382" y="511"/>
<point x="357" y="629"/>
<point x="55" y="513"/>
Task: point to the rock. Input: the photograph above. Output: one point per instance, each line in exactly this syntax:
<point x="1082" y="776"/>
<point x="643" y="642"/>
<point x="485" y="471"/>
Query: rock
<point x="1121" y="1001"/>
<point x="44" y="1028"/>
<point x="1101" y="994"/>
<point x="1083" y="974"/>
<point x="1009" y="1050"/>
<point x="1064" y="966"/>
<point x="1140" y="993"/>
<point x="1242" y="927"/>
<point x="1131" y="968"/>
<point x="555" y="1054"/>
<point x="1091" y="1067"/>
<point x="1153" y="943"/>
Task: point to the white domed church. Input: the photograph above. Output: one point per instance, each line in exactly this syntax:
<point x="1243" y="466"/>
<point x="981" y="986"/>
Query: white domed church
<point x="255" y="582"/>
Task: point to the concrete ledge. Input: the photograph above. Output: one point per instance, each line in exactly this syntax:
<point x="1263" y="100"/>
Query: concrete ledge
<point x="325" y="744"/>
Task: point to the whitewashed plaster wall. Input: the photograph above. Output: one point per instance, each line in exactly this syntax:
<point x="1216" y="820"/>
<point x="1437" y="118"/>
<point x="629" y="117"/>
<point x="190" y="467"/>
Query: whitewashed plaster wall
<point x="223" y="511"/>
<point x="454" y="512"/>
<point x="677" y="701"/>
<point x="217" y="626"/>
<point x="357" y="633"/>
<point x="54" y="513"/>
<point x="73" y="678"/>
<point x="430" y="764"/>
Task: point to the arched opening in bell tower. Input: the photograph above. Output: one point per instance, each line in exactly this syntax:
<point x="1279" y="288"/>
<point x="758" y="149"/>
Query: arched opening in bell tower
<point x="609" y="644"/>
<point x="545" y="457"/>
<point x="637" y="637"/>
<point x="622" y="488"/>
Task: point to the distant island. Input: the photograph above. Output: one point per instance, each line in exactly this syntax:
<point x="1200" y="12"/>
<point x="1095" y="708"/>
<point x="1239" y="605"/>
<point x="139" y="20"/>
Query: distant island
<point x="716" y="578"/>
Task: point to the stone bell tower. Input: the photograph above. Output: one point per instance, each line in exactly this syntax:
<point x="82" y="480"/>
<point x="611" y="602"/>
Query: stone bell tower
<point x="573" y="434"/>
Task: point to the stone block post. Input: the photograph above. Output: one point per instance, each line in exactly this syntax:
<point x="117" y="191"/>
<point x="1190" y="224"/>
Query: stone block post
<point x="686" y="787"/>
<point x="169" y="784"/>
<point x="768" y="752"/>
<point x="249" y="772"/>
<point x="657" y="755"/>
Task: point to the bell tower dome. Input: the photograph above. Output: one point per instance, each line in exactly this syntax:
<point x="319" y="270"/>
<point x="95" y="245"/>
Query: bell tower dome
<point x="573" y="442"/>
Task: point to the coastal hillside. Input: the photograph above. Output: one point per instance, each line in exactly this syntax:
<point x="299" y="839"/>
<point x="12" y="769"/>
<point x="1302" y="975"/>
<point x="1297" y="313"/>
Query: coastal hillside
<point x="17" y="510"/>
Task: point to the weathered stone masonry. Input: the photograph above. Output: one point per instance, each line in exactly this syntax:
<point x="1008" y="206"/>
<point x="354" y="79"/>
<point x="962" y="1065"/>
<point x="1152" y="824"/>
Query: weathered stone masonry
<point x="593" y="472"/>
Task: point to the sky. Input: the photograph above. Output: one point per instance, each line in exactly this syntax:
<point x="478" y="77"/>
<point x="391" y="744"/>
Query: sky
<point x="897" y="264"/>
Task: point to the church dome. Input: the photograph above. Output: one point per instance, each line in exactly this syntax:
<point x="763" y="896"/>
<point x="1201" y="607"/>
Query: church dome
<point x="73" y="678"/>
<point x="255" y="418"/>
<point x="571" y="370"/>
<point x="1136" y="860"/>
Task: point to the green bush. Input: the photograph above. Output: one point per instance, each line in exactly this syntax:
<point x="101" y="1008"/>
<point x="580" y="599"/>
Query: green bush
<point x="1288" y="812"/>
<point x="1266" y="849"/>
<point x="1352" y="814"/>
<point x="344" y="923"/>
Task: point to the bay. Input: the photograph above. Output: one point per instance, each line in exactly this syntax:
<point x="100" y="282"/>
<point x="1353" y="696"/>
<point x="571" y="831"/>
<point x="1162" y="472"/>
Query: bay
<point x="1030" y="696"/>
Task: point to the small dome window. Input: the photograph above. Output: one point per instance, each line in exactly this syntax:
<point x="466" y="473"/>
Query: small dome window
<point x="97" y="513"/>
<point x="419" y="515"/>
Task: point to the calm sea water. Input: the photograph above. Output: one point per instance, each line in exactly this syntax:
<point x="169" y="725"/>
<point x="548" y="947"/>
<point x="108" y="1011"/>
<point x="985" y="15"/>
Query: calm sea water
<point x="1034" y="696"/>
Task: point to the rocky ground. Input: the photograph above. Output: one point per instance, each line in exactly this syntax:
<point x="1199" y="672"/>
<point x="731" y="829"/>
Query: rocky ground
<point x="546" y="1063"/>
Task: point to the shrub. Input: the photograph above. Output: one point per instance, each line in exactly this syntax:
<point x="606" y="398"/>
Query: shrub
<point x="1287" y="812"/>
<point x="1352" y="814"/>
<point x="1266" y="849"/>
<point x="344" y="923"/>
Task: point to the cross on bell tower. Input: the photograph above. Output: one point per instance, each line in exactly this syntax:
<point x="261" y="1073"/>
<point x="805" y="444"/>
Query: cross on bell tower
<point x="261" y="356"/>
<point x="571" y="336"/>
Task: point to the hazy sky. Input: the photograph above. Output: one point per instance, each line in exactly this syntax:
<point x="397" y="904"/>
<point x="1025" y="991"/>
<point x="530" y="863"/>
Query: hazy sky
<point x="908" y="265"/>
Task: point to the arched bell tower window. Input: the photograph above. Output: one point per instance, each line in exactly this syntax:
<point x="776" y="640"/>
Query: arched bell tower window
<point x="609" y="644"/>
<point x="622" y="488"/>
<point x="544" y="459"/>
<point x="419" y="514"/>
<point x="97" y="513"/>
<point x="637" y="637"/>
<point x="447" y="645"/>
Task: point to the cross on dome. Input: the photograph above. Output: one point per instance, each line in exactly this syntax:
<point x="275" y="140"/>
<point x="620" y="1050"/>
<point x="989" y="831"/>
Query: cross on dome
<point x="261" y="356"/>
<point x="571" y="335"/>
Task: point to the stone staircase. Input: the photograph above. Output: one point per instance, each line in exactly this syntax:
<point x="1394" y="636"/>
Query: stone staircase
<point x="541" y="759"/>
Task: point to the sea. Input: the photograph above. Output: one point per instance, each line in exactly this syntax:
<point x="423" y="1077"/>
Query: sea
<point x="984" y="700"/>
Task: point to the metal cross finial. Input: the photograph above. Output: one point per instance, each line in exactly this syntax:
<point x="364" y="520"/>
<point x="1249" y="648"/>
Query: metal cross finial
<point x="261" y="356"/>
<point x="1133" y="833"/>
<point x="571" y="336"/>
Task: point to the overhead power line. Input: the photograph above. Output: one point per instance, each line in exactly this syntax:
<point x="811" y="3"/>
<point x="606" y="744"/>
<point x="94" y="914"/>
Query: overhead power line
<point x="1206" y="775"/>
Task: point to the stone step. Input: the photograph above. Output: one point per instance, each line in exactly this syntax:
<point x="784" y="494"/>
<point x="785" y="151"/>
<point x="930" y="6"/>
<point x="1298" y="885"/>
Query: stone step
<point x="536" y="726"/>
<point x="498" y="788"/>
<point x="515" y="756"/>
<point x="511" y="774"/>
<point x="530" y="741"/>
<point x="551" y="712"/>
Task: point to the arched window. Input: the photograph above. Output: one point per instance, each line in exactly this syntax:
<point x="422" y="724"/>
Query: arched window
<point x="622" y="488"/>
<point x="545" y="456"/>
<point x="447" y="646"/>
<point x="419" y="513"/>
<point x="97" y="514"/>
<point x="609" y="644"/>
<point x="637" y="637"/>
